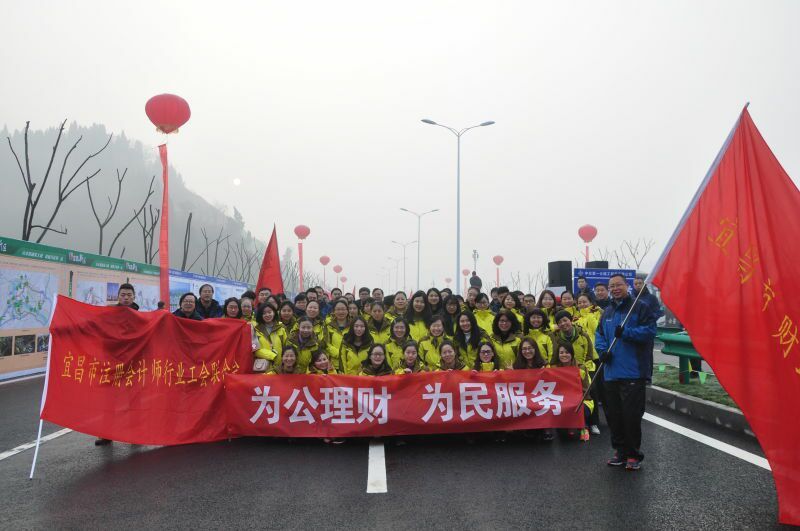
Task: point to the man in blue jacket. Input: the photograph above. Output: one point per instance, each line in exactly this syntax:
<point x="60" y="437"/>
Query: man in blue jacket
<point x="627" y="369"/>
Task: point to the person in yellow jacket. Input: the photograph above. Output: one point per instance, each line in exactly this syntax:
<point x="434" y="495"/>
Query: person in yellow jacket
<point x="582" y="344"/>
<point x="286" y="316"/>
<point x="270" y="334"/>
<point x="452" y="309"/>
<point x="568" y="304"/>
<point x="399" y="306"/>
<point x="565" y="357"/>
<point x="537" y="327"/>
<point x="487" y="360"/>
<point x="379" y="327"/>
<point x="336" y="326"/>
<point x="313" y="313"/>
<point x="512" y="304"/>
<point x="376" y="363"/>
<point x="305" y="343"/>
<point x="397" y="340"/>
<point x="547" y="303"/>
<point x="320" y="364"/>
<point x="410" y="362"/>
<point x="528" y="355"/>
<point x="418" y="316"/>
<point x="468" y="337"/>
<point x="505" y="337"/>
<point x="483" y="315"/>
<point x="247" y="310"/>
<point x="588" y="314"/>
<point x="366" y="308"/>
<point x="429" y="345"/>
<point x="288" y="363"/>
<point x="353" y="310"/>
<point x="354" y="348"/>
<point x="448" y="358"/>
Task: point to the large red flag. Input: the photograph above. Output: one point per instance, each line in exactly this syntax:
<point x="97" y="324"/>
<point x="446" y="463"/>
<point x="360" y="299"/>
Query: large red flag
<point x="270" y="275"/>
<point x="730" y="275"/>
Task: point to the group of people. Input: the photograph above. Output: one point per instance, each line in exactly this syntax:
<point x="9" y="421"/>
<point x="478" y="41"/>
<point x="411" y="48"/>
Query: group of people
<point x="436" y="330"/>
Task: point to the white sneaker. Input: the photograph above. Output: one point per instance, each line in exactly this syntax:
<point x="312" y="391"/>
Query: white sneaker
<point x="595" y="430"/>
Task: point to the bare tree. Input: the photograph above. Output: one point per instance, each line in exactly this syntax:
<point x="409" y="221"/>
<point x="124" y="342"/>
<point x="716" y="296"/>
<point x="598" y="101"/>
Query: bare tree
<point x="135" y="216"/>
<point x="112" y="207"/>
<point x="65" y="187"/>
<point x="621" y="258"/>
<point x="638" y="250"/>
<point x="187" y="237"/>
<point x="603" y="254"/>
<point x="148" y="228"/>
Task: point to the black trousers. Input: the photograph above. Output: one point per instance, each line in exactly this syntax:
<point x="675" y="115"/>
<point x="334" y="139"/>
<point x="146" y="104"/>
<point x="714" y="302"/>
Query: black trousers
<point x="624" y="408"/>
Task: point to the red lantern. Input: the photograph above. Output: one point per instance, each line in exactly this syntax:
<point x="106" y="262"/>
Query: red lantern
<point x="497" y="260"/>
<point x="448" y="280"/>
<point x="465" y="272"/>
<point x="337" y="269"/>
<point x="587" y="233"/>
<point x="344" y="279"/>
<point x="302" y="232"/>
<point x="324" y="260"/>
<point x="168" y="112"/>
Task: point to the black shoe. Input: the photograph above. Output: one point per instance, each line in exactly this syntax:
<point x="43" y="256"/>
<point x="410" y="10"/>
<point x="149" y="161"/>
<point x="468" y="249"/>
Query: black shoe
<point x="102" y="442"/>
<point x="617" y="460"/>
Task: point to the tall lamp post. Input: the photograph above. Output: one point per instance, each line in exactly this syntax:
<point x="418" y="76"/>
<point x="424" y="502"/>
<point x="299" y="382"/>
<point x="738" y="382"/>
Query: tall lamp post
<point x="396" y="271"/>
<point x="404" y="245"/>
<point x="419" y="239"/>
<point x="458" y="134"/>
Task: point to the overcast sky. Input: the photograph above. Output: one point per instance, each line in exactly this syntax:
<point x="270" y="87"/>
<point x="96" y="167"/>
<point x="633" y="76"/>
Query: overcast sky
<point x="607" y="112"/>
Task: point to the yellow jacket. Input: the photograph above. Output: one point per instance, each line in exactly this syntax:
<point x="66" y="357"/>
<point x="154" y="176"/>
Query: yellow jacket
<point x="417" y="330"/>
<point x="544" y="342"/>
<point x="270" y="344"/>
<point x="506" y="350"/>
<point x="581" y="342"/>
<point x="469" y="354"/>
<point x="429" y="350"/>
<point x="394" y="352"/>
<point x="485" y="319"/>
<point x="551" y="316"/>
<point x="351" y="357"/>
<point x="519" y="316"/>
<point x="304" y="351"/>
<point x="589" y="319"/>
<point x="333" y="340"/>
<point x="418" y="367"/>
<point x="313" y="370"/>
<point x="379" y="334"/>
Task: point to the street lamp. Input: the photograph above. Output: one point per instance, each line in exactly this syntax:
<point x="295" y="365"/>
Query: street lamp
<point x="396" y="271"/>
<point x="419" y="239"/>
<point x="458" y="187"/>
<point x="404" y="245"/>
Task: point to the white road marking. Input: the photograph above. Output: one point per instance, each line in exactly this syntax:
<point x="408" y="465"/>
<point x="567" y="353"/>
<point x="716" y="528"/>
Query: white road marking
<point x="713" y="443"/>
<point x="376" y="469"/>
<point x="27" y="446"/>
<point x="15" y="380"/>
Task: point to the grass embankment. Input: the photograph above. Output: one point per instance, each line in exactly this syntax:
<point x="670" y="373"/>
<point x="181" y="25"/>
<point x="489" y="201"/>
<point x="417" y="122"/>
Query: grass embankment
<point x="710" y="390"/>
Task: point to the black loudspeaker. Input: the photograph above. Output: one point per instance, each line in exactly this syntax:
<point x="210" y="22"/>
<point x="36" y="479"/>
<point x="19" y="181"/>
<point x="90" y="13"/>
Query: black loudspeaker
<point x="597" y="264"/>
<point x="560" y="273"/>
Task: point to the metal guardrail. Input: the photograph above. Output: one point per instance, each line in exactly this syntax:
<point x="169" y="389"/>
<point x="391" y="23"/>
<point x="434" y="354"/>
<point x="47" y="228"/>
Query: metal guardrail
<point x="679" y="344"/>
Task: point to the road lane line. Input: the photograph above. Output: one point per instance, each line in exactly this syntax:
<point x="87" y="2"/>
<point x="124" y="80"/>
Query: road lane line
<point x="376" y="469"/>
<point x="27" y="446"/>
<point x="21" y="379"/>
<point x="713" y="443"/>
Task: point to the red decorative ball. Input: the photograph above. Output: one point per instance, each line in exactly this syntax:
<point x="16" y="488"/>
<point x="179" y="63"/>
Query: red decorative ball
<point x="168" y="112"/>
<point x="302" y="231"/>
<point x="587" y="233"/>
<point x="497" y="260"/>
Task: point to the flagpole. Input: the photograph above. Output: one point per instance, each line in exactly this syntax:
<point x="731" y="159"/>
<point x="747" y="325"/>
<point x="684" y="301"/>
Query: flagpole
<point x="44" y="391"/>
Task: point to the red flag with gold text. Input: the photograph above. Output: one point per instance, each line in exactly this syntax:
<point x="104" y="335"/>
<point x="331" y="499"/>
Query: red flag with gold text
<point x="730" y="275"/>
<point x="141" y="377"/>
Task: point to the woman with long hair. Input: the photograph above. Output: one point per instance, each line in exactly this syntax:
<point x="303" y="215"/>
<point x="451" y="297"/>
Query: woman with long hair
<point x="505" y="337"/>
<point x="380" y="328"/>
<point x="512" y="304"/>
<point x="487" y="360"/>
<point x="355" y="347"/>
<point x="397" y="339"/>
<point x="320" y="364"/>
<point x="376" y="363"/>
<point x="305" y="342"/>
<point x="410" y="362"/>
<point x="435" y="302"/>
<point x="537" y="327"/>
<point x="231" y="308"/>
<point x="468" y="337"/>
<point x="451" y="311"/>
<point x="483" y="315"/>
<point x="271" y="335"/>
<point x="418" y="316"/>
<point x="336" y="326"/>
<point x="565" y="357"/>
<point x="287" y="316"/>
<point x="429" y="345"/>
<point x="547" y="303"/>
<point x="528" y="356"/>
<point x="313" y="313"/>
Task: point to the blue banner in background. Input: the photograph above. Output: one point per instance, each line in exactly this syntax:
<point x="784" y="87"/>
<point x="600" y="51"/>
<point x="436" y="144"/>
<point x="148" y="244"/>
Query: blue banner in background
<point x="181" y="282"/>
<point x="593" y="276"/>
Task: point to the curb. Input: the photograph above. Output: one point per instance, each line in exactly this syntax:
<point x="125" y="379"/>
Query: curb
<point x="10" y="376"/>
<point x="705" y="410"/>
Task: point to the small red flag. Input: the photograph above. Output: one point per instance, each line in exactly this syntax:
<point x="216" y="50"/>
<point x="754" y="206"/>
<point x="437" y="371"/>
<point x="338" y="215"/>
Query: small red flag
<point x="729" y="274"/>
<point x="270" y="274"/>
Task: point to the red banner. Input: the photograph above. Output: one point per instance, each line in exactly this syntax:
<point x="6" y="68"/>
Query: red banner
<point x="436" y="402"/>
<point x="141" y="377"/>
<point x="730" y="275"/>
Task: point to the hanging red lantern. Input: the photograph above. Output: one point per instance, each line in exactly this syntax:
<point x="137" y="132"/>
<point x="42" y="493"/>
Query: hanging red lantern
<point x="587" y="233"/>
<point x="337" y="269"/>
<point x="324" y="260"/>
<point x="302" y="232"/>
<point x="168" y="112"/>
<point x="344" y="279"/>
<point x="465" y="272"/>
<point x="497" y="260"/>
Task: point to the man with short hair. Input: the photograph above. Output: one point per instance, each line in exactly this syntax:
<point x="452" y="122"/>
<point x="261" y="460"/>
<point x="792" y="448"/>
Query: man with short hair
<point x="363" y="295"/>
<point x="627" y="368"/>
<point x="475" y="281"/>
<point x="494" y="305"/>
<point x="472" y="294"/>
<point x="263" y="295"/>
<point x="601" y="295"/>
<point x="312" y="295"/>
<point x="377" y="294"/>
<point x="528" y="302"/>
<point x="300" y="303"/>
<point x="583" y="288"/>
<point x="126" y="297"/>
<point x="207" y="306"/>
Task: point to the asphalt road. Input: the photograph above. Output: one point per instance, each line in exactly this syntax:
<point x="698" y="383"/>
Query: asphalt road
<point x="433" y="483"/>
